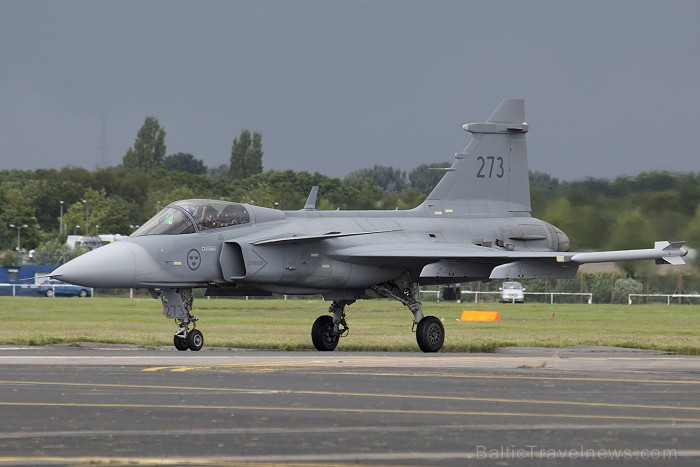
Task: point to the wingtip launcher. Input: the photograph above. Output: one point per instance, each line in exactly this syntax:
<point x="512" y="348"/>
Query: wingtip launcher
<point x="663" y="252"/>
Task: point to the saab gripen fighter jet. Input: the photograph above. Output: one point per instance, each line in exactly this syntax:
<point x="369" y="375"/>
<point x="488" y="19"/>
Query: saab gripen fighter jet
<point x="475" y="225"/>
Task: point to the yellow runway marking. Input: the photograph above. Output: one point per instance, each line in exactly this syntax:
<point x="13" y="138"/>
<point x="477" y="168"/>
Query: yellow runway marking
<point x="277" y="367"/>
<point x="364" y="410"/>
<point x="355" y="362"/>
<point x="356" y="394"/>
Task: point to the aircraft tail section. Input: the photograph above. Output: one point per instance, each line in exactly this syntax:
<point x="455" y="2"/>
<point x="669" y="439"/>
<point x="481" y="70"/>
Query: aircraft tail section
<point x="490" y="177"/>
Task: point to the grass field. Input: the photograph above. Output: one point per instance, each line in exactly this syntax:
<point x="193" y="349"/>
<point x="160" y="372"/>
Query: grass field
<point x="374" y="324"/>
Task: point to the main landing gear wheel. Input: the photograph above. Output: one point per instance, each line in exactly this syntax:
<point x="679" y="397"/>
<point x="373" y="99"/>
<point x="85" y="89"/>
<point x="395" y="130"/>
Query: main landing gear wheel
<point x="322" y="334"/>
<point x="430" y="334"/>
<point x="195" y="340"/>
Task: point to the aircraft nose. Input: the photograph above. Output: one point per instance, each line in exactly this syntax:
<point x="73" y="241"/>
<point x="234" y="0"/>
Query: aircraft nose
<point x="110" y="266"/>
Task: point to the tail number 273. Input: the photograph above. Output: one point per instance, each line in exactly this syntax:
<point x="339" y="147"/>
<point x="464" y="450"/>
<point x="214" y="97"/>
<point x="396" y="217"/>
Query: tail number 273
<point x="491" y="166"/>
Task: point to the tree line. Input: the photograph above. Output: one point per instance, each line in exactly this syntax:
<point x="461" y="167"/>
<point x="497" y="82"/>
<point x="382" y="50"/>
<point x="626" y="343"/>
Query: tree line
<point x="625" y="212"/>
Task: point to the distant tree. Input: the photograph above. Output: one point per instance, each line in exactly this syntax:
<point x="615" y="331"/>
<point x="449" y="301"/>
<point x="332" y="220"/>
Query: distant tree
<point x="656" y="181"/>
<point x="219" y="173"/>
<point x="184" y="162"/>
<point x="630" y="231"/>
<point x="176" y="194"/>
<point x="583" y="224"/>
<point x="407" y="199"/>
<point x="410" y="199"/>
<point x="424" y="177"/>
<point x="246" y="155"/>
<point x="543" y="181"/>
<point x="127" y="183"/>
<point x="111" y="214"/>
<point x="19" y="209"/>
<point x="388" y="179"/>
<point x="601" y="286"/>
<point x="355" y="194"/>
<point x="689" y="193"/>
<point x="53" y="252"/>
<point x="691" y="234"/>
<point x="253" y="190"/>
<point x="67" y="185"/>
<point x="149" y="148"/>
<point x="624" y="287"/>
<point x="692" y="231"/>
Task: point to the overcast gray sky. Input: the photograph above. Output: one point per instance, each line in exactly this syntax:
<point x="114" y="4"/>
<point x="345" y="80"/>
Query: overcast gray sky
<point x="611" y="87"/>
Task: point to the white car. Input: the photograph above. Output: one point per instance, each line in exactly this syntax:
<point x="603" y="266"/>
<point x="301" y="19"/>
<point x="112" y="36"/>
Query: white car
<point x="512" y="292"/>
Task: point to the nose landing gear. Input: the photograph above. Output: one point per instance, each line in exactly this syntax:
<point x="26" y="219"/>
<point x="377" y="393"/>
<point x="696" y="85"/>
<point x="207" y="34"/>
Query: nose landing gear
<point x="177" y="305"/>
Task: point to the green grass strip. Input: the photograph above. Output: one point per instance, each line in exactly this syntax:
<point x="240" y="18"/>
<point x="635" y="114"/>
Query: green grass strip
<point x="376" y="325"/>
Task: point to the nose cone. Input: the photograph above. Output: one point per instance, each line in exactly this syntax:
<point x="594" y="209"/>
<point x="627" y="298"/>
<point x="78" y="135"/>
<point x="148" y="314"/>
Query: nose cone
<point x="117" y="265"/>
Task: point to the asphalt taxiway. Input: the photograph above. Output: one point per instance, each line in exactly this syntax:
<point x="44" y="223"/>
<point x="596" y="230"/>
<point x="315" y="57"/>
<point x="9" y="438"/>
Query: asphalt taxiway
<point x="124" y="405"/>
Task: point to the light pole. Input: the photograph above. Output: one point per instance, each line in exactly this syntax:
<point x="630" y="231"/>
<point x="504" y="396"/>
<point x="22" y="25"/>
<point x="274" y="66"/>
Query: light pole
<point x="19" y="237"/>
<point x="97" y="230"/>
<point x="60" y="222"/>
<point x="87" y="225"/>
<point x="75" y="230"/>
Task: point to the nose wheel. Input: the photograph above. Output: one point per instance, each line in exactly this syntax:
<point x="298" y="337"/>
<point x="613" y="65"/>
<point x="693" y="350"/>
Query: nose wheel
<point x="180" y="343"/>
<point x="195" y="340"/>
<point x="187" y="337"/>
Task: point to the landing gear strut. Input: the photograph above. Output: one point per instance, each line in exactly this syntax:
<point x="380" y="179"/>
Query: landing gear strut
<point x="430" y="333"/>
<point x="177" y="305"/>
<point x="327" y="331"/>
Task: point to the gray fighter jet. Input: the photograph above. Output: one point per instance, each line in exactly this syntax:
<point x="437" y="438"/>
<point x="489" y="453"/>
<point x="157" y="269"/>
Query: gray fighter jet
<point x="475" y="225"/>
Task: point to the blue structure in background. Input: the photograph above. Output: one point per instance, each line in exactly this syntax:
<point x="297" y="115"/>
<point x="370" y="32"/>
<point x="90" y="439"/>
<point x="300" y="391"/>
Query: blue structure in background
<point x="23" y="280"/>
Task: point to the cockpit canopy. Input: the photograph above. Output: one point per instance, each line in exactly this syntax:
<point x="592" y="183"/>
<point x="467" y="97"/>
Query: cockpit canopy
<point x="194" y="215"/>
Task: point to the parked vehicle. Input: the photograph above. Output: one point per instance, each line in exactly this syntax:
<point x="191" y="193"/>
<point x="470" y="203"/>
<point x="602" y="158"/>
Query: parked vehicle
<point x="56" y="288"/>
<point x="512" y="292"/>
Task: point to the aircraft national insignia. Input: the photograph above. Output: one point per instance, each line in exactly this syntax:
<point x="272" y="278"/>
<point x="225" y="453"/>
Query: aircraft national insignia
<point x="194" y="259"/>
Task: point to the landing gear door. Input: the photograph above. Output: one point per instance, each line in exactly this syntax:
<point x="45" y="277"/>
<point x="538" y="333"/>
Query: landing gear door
<point x="174" y="307"/>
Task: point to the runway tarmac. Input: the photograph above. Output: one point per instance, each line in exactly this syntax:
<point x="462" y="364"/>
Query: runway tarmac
<point x="124" y="405"/>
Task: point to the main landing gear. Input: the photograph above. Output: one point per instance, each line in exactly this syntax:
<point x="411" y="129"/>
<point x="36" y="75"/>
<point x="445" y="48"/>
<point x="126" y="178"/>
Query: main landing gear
<point x="430" y="333"/>
<point x="177" y="305"/>
<point x="327" y="330"/>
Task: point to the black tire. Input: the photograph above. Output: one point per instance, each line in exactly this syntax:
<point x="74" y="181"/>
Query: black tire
<point x="322" y="334"/>
<point x="180" y="343"/>
<point x="50" y="293"/>
<point x="195" y="340"/>
<point x="430" y="334"/>
<point x="83" y="293"/>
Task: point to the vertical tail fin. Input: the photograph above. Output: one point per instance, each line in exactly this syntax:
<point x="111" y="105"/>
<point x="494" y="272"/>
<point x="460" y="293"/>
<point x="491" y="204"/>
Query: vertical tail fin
<point x="490" y="177"/>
